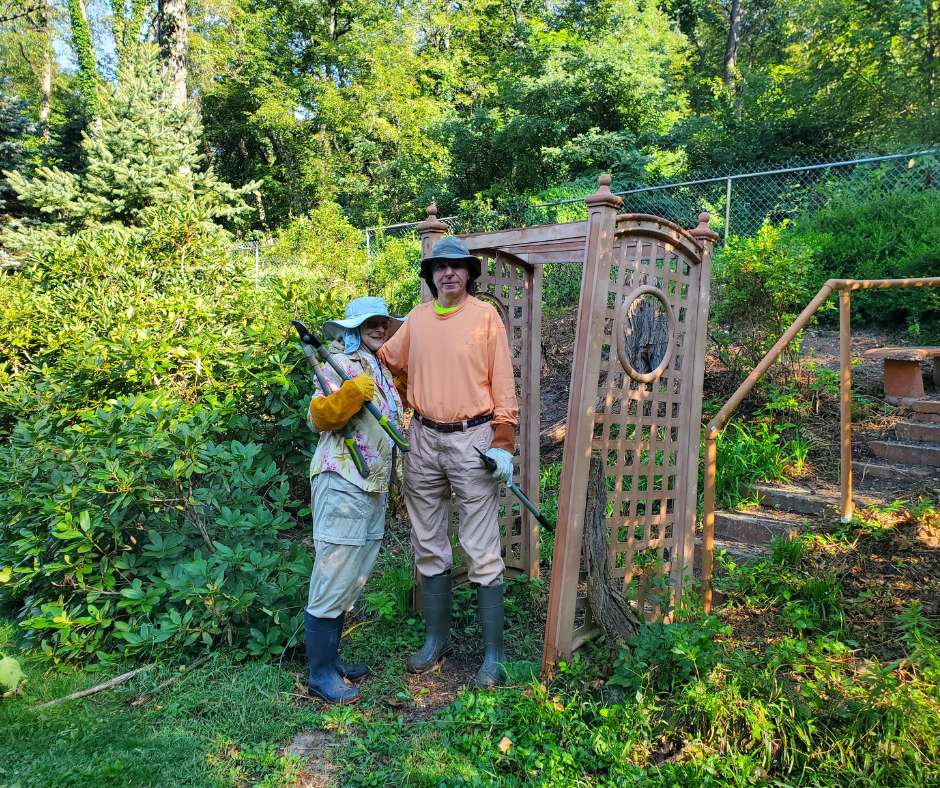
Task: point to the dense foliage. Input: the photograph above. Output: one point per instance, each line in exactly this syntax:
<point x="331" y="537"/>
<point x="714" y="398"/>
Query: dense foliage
<point x="376" y="107"/>
<point x="154" y="447"/>
<point x="762" y="282"/>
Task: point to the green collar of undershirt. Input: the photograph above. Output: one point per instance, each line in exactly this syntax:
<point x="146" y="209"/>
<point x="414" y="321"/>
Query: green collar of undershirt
<point x="445" y="310"/>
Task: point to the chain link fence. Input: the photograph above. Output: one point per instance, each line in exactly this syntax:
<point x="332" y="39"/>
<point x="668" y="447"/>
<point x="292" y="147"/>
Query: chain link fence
<point x="739" y="203"/>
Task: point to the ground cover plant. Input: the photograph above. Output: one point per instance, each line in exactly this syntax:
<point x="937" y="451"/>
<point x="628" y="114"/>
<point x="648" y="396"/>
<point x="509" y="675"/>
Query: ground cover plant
<point x="821" y="667"/>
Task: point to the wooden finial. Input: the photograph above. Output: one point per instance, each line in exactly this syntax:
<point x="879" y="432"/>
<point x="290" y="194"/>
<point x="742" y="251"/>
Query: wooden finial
<point x="703" y="231"/>
<point x="432" y="224"/>
<point x="603" y="195"/>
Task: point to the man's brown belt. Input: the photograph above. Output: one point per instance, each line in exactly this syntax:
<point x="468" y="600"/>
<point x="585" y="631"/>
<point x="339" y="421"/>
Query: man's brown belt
<point x="454" y="426"/>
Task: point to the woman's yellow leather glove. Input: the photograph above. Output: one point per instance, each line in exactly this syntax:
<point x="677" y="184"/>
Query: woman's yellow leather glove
<point x="366" y="386"/>
<point x="333" y="411"/>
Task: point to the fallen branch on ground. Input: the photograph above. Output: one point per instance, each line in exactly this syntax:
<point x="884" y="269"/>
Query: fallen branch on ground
<point x="98" y="687"/>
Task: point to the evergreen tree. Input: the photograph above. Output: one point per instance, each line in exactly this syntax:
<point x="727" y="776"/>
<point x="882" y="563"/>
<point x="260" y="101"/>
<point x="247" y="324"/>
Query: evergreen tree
<point x="143" y="154"/>
<point x="16" y="129"/>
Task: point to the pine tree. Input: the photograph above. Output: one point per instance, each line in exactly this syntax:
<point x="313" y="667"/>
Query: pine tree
<point x="16" y="129"/>
<point x="143" y="154"/>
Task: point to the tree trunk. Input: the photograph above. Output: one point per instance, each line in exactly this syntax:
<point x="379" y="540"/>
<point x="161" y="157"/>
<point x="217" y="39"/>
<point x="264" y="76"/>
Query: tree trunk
<point x="126" y="24"/>
<point x="172" y="34"/>
<point x="85" y="55"/>
<point x="45" y="69"/>
<point x="930" y="57"/>
<point x="646" y="334"/>
<point x="609" y="608"/>
<point x="731" y="53"/>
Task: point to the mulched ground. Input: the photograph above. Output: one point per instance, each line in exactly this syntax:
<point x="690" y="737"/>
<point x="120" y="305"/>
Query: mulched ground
<point x="879" y="573"/>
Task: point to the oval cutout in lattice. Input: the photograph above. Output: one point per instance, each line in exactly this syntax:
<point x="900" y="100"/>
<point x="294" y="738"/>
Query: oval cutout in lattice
<point x="645" y="333"/>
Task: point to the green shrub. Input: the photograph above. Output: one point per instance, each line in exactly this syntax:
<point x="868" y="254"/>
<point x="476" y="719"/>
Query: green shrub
<point x="665" y="656"/>
<point x="763" y="282"/>
<point x="562" y="286"/>
<point x="154" y="444"/>
<point x="141" y="526"/>
<point x="872" y="235"/>
<point x="750" y="453"/>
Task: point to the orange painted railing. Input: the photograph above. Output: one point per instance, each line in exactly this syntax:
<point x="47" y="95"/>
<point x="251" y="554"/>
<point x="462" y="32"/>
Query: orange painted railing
<point x="844" y="287"/>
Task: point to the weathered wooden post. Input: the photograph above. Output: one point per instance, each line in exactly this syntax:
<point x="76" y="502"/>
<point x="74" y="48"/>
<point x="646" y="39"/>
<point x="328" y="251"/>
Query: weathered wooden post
<point x="566" y="559"/>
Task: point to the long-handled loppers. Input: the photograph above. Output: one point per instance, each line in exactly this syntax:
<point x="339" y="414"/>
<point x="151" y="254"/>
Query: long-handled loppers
<point x="514" y="488"/>
<point x="348" y="438"/>
<point x="310" y="341"/>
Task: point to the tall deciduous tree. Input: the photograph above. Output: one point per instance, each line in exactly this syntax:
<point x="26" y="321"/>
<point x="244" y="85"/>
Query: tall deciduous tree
<point x="127" y="19"/>
<point x="26" y="54"/>
<point x="45" y="66"/>
<point x="173" y="36"/>
<point x="731" y="46"/>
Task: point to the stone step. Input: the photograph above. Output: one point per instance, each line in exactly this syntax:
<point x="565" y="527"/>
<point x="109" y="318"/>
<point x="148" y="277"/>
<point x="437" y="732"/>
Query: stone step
<point x="925" y="418"/>
<point x="875" y="470"/>
<point x="799" y="500"/>
<point x="906" y="453"/>
<point x="931" y="406"/>
<point x="914" y="431"/>
<point x="738" y="552"/>
<point x="753" y="529"/>
<point x="802" y="500"/>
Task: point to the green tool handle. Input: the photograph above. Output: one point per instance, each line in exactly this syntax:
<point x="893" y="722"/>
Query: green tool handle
<point x="383" y="421"/>
<point x="348" y="437"/>
<point x="490" y="465"/>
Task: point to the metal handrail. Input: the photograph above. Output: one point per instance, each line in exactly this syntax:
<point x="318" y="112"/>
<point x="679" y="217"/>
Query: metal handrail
<point x="714" y="427"/>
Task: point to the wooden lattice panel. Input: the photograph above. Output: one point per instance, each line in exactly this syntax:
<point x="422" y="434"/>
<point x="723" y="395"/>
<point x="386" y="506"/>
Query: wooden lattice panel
<point x="514" y="288"/>
<point x="644" y="421"/>
<point x="642" y="427"/>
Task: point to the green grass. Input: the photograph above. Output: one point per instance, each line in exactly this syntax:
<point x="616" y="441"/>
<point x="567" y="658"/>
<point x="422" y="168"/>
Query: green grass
<point x="220" y="724"/>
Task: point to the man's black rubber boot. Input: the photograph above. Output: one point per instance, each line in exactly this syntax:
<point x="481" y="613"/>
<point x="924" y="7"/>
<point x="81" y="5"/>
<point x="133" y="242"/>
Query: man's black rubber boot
<point x="490" y="599"/>
<point x="436" y="600"/>
<point x="321" y="637"/>
<point x="354" y="671"/>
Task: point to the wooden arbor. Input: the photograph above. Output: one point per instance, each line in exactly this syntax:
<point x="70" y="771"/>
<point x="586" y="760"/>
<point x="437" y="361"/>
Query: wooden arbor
<point x="641" y="420"/>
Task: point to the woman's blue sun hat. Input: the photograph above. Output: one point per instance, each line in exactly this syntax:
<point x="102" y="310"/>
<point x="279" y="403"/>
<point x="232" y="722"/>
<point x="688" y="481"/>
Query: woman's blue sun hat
<point x="357" y="312"/>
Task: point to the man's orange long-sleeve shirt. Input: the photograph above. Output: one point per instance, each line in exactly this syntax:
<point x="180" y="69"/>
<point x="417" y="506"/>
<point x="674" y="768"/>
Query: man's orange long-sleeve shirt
<point x="458" y="366"/>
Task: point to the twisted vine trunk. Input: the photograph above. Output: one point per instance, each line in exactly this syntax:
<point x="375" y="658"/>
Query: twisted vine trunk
<point x="609" y="608"/>
<point x="85" y="56"/>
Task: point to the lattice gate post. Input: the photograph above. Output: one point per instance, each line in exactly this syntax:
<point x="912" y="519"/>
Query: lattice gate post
<point x="635" y="402"/>
<point x="566" y="559"/>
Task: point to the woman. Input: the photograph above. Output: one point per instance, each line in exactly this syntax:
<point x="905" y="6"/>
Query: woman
<point x="348" y="510"/>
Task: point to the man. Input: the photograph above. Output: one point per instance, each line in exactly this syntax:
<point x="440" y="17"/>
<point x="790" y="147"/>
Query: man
<point x="455" y="354"/>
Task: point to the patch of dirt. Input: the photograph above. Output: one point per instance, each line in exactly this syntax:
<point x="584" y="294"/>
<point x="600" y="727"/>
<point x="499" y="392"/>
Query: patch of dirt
<point x="437" y="688"/>
<point x="822" y="347"/>
<point x="315" y="749"/>
<point x="557" y="350"/>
